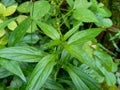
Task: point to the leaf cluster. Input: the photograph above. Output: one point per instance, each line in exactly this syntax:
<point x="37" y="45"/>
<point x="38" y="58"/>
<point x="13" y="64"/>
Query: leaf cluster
<point x="48" y="47"/>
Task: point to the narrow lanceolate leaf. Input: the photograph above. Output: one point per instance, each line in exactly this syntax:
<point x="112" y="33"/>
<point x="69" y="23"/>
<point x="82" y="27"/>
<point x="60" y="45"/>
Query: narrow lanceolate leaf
<point x="89" y="81"/>
<point x="84" y="35"/>
<point x="48" y="30"/>
<point x="19" y="32"/>
<point x="41" y="73"/>
<point x="40" y="8"/>
<point x="72" y="31"/>
<point x="84" y="15"/>
<point x="13" y="67"/>
<point x="25" y="54"/>
<point x="5" y="23"/>
<point x="80" y="85"/>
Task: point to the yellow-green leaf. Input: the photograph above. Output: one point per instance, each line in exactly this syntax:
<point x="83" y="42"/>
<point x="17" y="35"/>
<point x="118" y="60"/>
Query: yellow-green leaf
<point x="12" y="25"/>
<point x="20" y="18"/>
<point x="10" y="10"/>
<point x="3" y="40"/>
<point x="2" y="8"/>
<point x="4" y="23"/>
<point x="1" y="20"/>
<point x="2" y="32"/>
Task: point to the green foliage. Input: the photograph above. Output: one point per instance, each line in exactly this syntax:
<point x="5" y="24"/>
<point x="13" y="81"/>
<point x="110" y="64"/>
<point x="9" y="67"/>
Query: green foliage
<point x="19" y="32"/>
<point x="49" y="45"/>
<point x="13" y="67"/>
<point x="41" y="72"/>
<point x="49" y="30"/>
<point x="81" y="14"/>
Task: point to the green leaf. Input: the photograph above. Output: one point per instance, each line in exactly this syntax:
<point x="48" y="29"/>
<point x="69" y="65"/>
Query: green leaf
<point x="81" y="14"/>
<point x="24" y="54"/>
<point x="5" y="23"/>
<point x="70" y="3"/>
<point x="20" y="18"/>
<point x="82" y="4"/>
<point x="52" y="43"/>
<point x="32" y="28"/>
<point x="104" y="59"/>
<point x="53" y="85"/>
<point x="80" y="54"/>
<point x="94" y="74"/>
<point x="48" y="30"/>
<point x="80" y="85"/>
<point x="109" y="76"/>
<point x="4" y="73"/>
<point x="25" y="7"/>
<point x="103" y="22"/>
<point x="71" y="31"/>
<point x="31" y="39"/>
<point x="41" y="73"/>
<point x="19" y="32"/>
<point x="94" y="3"/>
<point x="3" y="40"/>
<point x="90" y="82"/>
<point x="2" y="32"/>
<point x="104" y="11"/>
<point x="16" y="82"/>
<point x="84" y="35"/>
<point x="13" y="67"/>
<point x="40" y="9"/>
